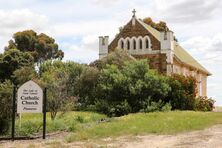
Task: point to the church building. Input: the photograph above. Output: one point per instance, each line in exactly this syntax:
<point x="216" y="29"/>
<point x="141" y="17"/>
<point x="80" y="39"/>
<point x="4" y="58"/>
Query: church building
<point x="164" y="53"/>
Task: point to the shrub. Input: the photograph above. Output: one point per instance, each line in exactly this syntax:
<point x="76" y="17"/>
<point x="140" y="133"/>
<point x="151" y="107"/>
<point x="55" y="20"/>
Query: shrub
<point x="113" y="109"/>
<point x="128" y="87"/>
<point x="120" y="109"/>
<point x="5" y="105"/>
<point x="183" y="92"/>
<point x="157" y="106"/>
<point x="86" y="86"/>
<point x="166" y="108"/>
<point x="204" y="104"/>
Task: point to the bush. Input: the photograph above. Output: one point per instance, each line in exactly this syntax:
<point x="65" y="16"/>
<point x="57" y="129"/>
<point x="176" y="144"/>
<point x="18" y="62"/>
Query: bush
<point x="204" y="104"/>
<point x="157" y="106"/>
<point x="166" y="108"/>
<point x="183" y="92"/>
<point x="113" y="109"/>
<point x="127" y="88"/>
<point x="5" y="106"/>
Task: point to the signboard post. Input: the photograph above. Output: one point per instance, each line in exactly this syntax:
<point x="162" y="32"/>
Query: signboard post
<point x="29" y="100"/>
<point x="13" y="112"/>
<point x="44" y="113"/>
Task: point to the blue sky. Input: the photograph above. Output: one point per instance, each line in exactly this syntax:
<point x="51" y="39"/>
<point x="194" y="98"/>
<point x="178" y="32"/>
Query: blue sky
<point x="76" y="26"/>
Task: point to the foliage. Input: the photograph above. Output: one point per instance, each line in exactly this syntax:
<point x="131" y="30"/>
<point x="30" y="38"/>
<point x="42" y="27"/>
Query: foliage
<point x="86" y="88"/>
<point x="112" y="109"/>
<point x="118" y="58"/>
<point x="12" y="60"/>
<point x="5" y="105"/>
<point x="204" y="104"/>
<point x="57" y="76"/>
<point x="183" y="92"/>
<point x="72" y="69"/>
<point x="134" y="83"/>
<point x="41" y="46"/>
<point x="55" y="81"/>
<point x="24" y="74"/>
<point x="161" y="26"/>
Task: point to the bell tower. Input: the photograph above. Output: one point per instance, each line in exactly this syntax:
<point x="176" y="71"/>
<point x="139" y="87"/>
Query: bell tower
<point x="103" y="46"/>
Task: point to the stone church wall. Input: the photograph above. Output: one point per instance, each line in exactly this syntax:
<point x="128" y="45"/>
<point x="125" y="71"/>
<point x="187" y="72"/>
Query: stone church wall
<point x="134" y="31"/>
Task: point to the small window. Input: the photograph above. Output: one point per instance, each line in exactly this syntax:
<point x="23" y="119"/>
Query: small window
<point x="134" y="44"/>
<point x="122" y="44"/>
<point x="128" y="45"/>
<point x="141" y="44"/>
<point x="147" y="43"/>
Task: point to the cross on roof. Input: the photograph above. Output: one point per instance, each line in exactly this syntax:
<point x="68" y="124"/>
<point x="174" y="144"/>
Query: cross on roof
<point x="134" y="12"/>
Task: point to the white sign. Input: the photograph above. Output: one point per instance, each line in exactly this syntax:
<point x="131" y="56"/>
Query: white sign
<point x="30" y="98"/>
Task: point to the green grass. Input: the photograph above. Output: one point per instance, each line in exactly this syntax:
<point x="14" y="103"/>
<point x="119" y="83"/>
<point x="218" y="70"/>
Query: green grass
<point x="86" y="125"/>
<point x="159" y="123"/>
<point x="31" y="124"/>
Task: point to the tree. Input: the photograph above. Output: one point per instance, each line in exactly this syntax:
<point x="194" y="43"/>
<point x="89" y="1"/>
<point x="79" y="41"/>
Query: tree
<point x="86" y="88"/>
<point x="118" y="57"/>
<point x="24" y="74"/>
<point x="55" y="80"/>
<point x="42" y="46"/>
<point x="5" y="105"/>
<point x="12" y="60"/>
<point x="61" y="80"/>
<point x="161" y="26"/>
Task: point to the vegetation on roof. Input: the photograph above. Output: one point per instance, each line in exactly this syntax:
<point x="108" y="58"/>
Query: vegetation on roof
<point x="161" y="26"/>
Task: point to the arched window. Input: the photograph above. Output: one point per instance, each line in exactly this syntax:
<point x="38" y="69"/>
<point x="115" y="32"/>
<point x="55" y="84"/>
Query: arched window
<point x="122" y="44"/>
<point x="134" y="44"/>
<point x="128" y="44"/>
<point x="141" y="44"/>
<point x="147" y="43"/>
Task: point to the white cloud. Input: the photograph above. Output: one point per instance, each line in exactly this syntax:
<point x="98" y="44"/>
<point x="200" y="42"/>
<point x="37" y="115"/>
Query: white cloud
<point x="210" y="49"/>
<point x="105" y="2"/>
<point x="186" y="11"/>
<point x="18" y="20"/>
<point x="80" y="53"/>
<point x="95" y="28"/>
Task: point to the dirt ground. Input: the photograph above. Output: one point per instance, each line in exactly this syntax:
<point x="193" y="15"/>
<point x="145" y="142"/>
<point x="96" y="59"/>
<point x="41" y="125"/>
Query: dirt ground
<point x="208" y="138"/>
